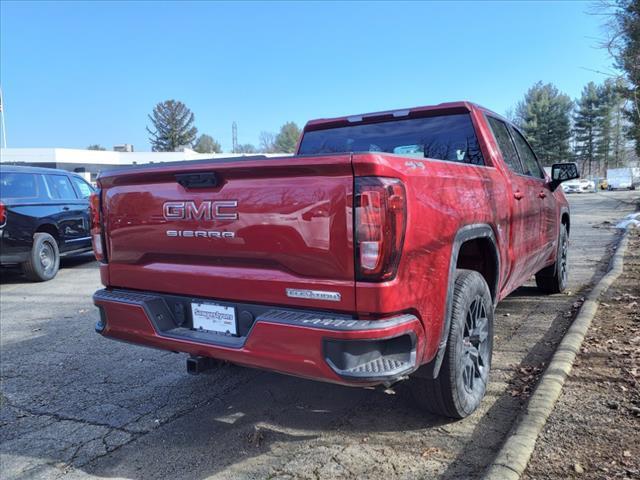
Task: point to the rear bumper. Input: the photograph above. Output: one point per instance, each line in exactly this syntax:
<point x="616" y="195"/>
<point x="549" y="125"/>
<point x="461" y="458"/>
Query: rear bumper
<point x="11" y="253"/>
<point x="318" y="345"/>
<point x="13" y="258"/>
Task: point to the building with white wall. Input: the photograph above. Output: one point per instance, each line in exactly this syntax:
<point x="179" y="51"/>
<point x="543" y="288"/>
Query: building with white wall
<point x="91" y="162"/>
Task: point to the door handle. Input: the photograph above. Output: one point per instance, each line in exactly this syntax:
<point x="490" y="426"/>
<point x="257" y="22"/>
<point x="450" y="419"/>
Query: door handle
<point x="542" y="194"/>
<point x="66" y="209"/>
<point x="518" y="195"/>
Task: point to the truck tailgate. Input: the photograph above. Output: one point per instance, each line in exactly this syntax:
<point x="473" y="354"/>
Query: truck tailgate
<point x="253" y="230"/>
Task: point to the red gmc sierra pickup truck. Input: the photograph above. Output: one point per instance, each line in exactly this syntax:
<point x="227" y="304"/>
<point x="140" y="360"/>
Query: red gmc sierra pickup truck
<point x="376" y="254"/>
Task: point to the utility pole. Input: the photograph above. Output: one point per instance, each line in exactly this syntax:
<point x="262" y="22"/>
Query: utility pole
<point x="234" y="137"/>
<point x="4" y="128"/>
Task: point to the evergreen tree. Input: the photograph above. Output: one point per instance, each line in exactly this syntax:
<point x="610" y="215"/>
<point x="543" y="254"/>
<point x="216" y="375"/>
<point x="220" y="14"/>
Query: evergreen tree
<point x="611" y="142"/>
<point x="545" y="118"/>
<point x="173" y="126"/>
<point x="287" y="140"/>
<point x="629" y="60"/>
<point x="586" y="128"/>
<point x="624" y="46"/>
<point x="207" y="144"/>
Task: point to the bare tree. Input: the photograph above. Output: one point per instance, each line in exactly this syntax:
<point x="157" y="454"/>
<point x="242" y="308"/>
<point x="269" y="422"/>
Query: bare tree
<point x="267" y="142"/>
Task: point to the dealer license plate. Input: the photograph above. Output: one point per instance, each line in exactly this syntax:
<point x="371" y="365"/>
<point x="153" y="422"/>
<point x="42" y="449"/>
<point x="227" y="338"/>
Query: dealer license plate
<point x="214" y="318"/>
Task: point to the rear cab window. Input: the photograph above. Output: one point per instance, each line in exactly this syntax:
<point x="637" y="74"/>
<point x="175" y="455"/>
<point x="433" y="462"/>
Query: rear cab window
<point x="83" y="188"/>
<point x="449" y="137"/>
<point x="17" y="186"/>
<point x="529" y="161"/>
<point x="505" y="144"/>
<point x="60" y="187"/>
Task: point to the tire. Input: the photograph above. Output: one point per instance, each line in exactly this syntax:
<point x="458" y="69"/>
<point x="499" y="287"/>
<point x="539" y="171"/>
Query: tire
<point x="44" y="259"/>
<point x="463" y="377"/>
<point x="553" y="279"/>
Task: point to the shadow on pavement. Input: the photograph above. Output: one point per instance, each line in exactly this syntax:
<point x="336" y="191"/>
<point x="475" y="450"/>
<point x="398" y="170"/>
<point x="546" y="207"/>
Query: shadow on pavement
<point x="13" y="274"/>
<point x="229" y="415"/>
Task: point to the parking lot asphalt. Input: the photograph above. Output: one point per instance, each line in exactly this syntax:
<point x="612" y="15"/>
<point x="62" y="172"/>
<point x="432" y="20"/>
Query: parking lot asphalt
<point x="76" y="405"/>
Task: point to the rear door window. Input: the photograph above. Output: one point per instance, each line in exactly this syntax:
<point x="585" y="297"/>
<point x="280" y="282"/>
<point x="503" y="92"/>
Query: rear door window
<point x="19" y="185"/>
<point x="505" y="143"/>
<point x="441" y="137"/>
<point x="528" y="158"/>
<point x="60" y="187"/>
<point x="82" y="187"/>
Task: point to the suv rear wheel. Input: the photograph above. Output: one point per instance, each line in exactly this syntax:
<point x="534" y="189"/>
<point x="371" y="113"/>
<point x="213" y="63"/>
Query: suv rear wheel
<point x="463" y="377"/>
<point x="44" y="259"/>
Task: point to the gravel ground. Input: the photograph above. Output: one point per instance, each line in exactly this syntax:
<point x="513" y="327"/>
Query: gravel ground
<point x="594" y="430"/>
<point x="76" y="405"/>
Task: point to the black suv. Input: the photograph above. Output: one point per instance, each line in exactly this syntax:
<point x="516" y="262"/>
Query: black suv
<point x="44" y="214"/>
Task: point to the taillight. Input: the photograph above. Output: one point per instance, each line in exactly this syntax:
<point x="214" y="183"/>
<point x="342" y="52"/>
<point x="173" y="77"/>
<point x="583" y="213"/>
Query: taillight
<point x="380" y="222"/>
<point x="96" y="226"/>
<point x="3" y="214"/>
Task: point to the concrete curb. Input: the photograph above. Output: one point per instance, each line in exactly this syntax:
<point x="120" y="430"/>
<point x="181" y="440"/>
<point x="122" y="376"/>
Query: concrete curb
<point x="513" y="457"/>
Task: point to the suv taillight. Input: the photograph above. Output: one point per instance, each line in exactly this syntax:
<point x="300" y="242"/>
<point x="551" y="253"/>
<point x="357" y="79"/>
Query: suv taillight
<point x="96" y="226"/>
<point x="380" y="222"/>
<point x="3" y="214"/>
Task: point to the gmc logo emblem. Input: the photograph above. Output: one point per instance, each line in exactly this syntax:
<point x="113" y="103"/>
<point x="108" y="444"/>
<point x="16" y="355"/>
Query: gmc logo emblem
<point x="206" y="211"/>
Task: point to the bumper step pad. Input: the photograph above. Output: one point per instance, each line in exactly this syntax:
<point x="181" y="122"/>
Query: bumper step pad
<point x="380" y="366"/>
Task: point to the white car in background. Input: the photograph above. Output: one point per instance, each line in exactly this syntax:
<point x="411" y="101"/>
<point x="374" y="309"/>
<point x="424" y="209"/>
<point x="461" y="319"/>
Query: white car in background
<point x="579" y="185"/>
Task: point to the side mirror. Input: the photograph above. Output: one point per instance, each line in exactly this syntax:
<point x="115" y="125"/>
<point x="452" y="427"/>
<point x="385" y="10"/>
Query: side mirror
<point x="561" y="172"/>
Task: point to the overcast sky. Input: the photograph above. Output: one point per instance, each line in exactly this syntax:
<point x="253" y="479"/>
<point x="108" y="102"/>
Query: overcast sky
<point x="75" y="74"/>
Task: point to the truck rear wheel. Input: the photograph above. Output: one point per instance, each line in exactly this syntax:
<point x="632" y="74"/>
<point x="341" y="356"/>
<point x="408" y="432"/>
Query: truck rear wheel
<point x="553" y="279"/>
<point x="44" y="259"/>
<point x="463" y="377"/>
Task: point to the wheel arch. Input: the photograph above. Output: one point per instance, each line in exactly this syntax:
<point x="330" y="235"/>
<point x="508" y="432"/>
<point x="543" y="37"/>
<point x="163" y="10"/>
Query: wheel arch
<point x="51" y="229"/>
<point x="477" y="251"/>
<point x="468" y="239"/>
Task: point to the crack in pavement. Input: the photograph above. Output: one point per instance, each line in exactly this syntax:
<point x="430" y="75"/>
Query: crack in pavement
<point x="58" y="417"/>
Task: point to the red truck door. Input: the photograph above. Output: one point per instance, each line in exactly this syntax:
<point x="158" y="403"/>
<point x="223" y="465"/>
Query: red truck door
<point x="541" y="195"/>
<point x="525" y="208"/>
<point x="550" y="223"/>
